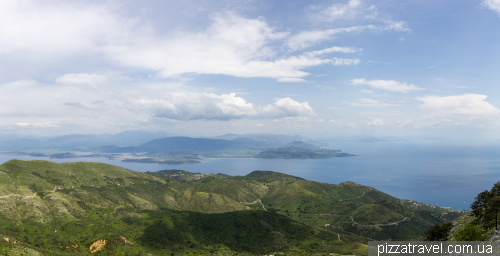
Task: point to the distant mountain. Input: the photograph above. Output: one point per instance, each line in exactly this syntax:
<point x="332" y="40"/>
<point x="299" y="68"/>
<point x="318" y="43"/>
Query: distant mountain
<point x="189" y="144"/>
<point x="79" y="141"/>
<point x="21" y="144"/>
<point x="263" y="139"/>
<point x="135" y="137"/>
<point x="76" y="141"/>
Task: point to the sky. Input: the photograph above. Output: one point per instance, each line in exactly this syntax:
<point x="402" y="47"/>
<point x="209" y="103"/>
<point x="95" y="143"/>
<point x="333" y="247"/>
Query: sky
<point x="206" y="68"/>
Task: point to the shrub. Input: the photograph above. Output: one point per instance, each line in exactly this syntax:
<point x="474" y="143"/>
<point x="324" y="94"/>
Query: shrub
<point x="470" y="232"/>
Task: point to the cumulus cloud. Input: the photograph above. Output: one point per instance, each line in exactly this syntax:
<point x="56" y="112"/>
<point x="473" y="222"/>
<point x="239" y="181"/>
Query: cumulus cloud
<point x="365" y="102"/>
<point x="192" y="106"/>
<point x="493" y="5"/>
<point x="466" y="104"/>
<point x="232" y="45"/>
<point x="209" y="106"/>
<point x="389" y="85"/>
<point x="128" y="107"/>
<point x="287" y="107"/>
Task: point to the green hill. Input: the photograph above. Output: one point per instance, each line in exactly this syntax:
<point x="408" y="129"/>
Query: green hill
<point x="64" y="208"/>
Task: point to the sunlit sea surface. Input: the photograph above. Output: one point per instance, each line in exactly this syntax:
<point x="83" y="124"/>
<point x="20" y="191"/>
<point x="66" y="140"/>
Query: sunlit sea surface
<point x="433" y="173"/>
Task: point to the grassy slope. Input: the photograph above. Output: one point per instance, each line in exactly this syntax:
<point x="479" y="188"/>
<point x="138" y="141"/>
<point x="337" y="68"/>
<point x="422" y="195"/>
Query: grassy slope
<point x="375" y="215"/>
<point x="55" y="207"/>
<point x="89" y="201"/>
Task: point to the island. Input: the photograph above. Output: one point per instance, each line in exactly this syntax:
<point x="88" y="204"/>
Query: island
<point x="300" y="150"/>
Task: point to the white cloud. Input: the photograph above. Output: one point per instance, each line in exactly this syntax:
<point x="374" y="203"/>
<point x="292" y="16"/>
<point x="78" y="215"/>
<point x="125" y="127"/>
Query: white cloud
<point x="493" y="5"/>
<point x="82" y="79"/>
<point x="209" y="106"/>
<point x="466" y="104"/>
<point x="59" y="28"/>
<point x="287" y="107"/>
<point x="365" y="102"/>
<point x="376" y="122"/>
<point x="52" y="106"/>
<point x="352" y="9"/>
<point x="290" y="80"/>
<point x="396" y="26"/>
<point x="305" y="39"/>
<point x="366" y="91"/>
<point x="232" y="46"/>
<point x="341" y="11"/>
<point x="389" y="85"/>
<point x="193" y="106"/>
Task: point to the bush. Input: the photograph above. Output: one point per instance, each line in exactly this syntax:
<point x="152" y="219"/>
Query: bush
<point x="438" y="232"/>
<point x="470" y="232"/>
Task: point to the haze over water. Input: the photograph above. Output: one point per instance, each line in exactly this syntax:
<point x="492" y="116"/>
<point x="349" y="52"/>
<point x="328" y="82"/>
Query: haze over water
<point x="440" y="174"/>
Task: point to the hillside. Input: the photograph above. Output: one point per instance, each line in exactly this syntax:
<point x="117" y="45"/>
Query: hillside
<point x="60" y="208"/>
<point x="300" y="150"/>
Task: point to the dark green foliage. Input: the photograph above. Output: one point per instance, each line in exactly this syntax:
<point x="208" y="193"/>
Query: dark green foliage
<point x="439" y="232"/>
<point x="486" y="206"/>
<point x="181" y="175"/>
<point x="470" y="232"/>
<point x="253" y="232"/>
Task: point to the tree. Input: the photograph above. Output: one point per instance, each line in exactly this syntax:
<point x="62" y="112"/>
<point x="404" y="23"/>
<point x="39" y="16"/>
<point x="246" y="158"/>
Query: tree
<point x="438" y="232"/>
<point x="480" y="203"/>
<point x="486" y="206"/>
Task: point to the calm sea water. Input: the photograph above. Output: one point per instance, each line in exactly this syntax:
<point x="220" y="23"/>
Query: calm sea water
<point x="445" y="175"/>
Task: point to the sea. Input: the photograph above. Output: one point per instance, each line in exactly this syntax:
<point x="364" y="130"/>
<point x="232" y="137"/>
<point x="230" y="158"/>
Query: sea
<point x="437" y="173"/>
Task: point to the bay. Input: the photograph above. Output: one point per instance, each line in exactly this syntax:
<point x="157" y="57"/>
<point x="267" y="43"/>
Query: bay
<point x="449" y="175"/>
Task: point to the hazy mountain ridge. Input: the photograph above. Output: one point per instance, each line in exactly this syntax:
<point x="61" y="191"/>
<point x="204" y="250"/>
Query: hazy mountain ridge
<point x="79" y="141"/>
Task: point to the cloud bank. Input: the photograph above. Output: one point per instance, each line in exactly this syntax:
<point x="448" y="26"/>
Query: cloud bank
<point x="466" y="104"/>
<point x="388" y="85"/>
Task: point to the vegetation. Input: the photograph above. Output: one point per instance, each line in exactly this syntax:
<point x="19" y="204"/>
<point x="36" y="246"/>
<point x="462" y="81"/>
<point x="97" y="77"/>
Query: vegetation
<point x="478" y="225"/>
<point x="182" y="175"/>
<point x="300" y="150"/>
<point x="64" y="209"/>
<point x="486" y="206"/>
<point x="439" y="232"/>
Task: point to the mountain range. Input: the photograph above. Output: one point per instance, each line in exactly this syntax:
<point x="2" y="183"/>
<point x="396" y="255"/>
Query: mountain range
<point x="74" y="208"/>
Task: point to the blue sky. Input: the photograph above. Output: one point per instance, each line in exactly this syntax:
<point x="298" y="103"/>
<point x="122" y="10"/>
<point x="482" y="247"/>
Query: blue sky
<point x="204" y="68"/>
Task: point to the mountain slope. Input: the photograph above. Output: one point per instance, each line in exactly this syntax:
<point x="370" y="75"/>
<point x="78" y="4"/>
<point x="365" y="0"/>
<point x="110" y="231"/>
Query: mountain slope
<point x="65" y="208"/>
<point x="62" y="209"/>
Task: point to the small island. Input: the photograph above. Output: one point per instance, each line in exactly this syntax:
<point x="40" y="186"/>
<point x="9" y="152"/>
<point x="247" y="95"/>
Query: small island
<point x="300" y="150"/>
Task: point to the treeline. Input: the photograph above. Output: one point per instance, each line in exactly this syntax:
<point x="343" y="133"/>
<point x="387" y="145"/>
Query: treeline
<point x="485" y="209"/>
